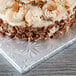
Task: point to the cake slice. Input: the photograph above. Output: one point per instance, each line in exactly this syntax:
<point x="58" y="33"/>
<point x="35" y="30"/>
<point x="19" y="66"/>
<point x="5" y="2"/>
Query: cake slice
<point x="33" y="20"/>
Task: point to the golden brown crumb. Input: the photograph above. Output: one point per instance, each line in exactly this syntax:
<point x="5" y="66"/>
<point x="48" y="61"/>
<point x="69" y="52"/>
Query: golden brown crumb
<point x="15" y="7"/>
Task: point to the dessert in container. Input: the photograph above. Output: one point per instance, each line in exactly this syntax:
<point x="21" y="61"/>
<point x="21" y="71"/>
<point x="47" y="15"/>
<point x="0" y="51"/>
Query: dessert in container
<point x="34" y="30"/>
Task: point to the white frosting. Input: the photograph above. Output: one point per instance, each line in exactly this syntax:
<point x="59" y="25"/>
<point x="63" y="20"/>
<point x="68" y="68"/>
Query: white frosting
<point x="60" y="13"/>
<point x="33" y="14"/>
<point x="2" y="15"/>
<point x="15" y="18"/>
<point x="4" y="5"/>
<point x="63" y="13"/>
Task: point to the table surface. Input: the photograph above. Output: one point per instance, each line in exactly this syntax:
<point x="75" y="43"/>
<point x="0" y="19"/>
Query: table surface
<point x="62" y="64"/>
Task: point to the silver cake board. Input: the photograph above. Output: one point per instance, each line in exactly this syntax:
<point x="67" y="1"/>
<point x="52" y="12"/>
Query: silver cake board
<point x="26" y="55"/>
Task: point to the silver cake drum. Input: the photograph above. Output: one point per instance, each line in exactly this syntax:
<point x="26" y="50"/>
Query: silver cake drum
<point x="25" y="55"/>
